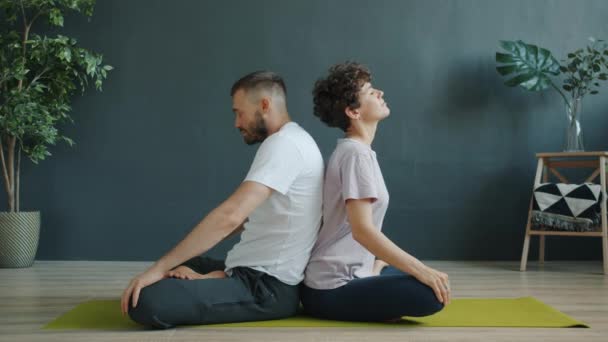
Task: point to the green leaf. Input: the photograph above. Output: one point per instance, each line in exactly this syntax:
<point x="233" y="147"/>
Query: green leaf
<point x="507" y="69"/>
<point x="66" y="54"/>
<point x="69" y="141"/>
<point x="521" y="79"/>
<point x="55" y="17"/>
<point x="504" y="58"/>
<point x="532" y="64"/>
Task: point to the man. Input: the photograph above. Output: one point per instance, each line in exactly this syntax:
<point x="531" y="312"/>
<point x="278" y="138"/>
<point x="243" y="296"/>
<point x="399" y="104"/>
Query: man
<point x="278" y="208"/>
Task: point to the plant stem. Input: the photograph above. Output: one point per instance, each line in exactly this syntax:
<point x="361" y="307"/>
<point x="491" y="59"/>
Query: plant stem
<point x="17" y="191"/>
<point x="11" y="173"/>
<point x="35" y="79"/>
<point x="34" y="19"/>
<point x="560" y="92"/>
<point x="4" y="170"/>
<point x="12" y="140"/>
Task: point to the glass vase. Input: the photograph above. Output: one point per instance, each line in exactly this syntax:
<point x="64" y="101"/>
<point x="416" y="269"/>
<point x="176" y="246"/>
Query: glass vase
<point x="574" y="131"/>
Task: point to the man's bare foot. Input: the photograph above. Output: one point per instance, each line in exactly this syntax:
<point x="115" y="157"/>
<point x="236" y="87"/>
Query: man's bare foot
<point x="186" y="273"/>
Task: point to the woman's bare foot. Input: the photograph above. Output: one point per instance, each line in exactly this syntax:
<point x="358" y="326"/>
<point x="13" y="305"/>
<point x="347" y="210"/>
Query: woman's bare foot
<point x="186" y="273"/>
<point x="378" y="266"/>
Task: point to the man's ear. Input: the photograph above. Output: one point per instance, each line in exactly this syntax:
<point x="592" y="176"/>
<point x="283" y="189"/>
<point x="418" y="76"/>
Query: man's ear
<point x="265" y="104"/>
<point x="352" y="113"/>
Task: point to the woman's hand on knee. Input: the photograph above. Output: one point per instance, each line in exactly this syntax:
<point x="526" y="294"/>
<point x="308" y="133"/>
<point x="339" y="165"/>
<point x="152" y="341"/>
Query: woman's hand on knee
<point x="131" y="293"/>
<point x="438" y="282"/>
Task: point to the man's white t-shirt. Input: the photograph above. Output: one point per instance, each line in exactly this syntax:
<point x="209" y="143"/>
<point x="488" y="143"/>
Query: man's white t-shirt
<point x="281" y="232"/>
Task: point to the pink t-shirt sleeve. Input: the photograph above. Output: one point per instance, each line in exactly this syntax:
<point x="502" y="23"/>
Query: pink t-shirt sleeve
<point x="358" y="181"/>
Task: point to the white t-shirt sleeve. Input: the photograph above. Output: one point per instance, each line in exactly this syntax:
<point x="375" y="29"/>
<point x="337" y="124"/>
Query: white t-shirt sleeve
<point x="276" y="164"/>
<point x="357" y="174"/>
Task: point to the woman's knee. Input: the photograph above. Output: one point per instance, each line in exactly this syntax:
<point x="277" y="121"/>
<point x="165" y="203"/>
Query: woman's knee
<point x="428" y="305"/>
<point x="434" y="307"/>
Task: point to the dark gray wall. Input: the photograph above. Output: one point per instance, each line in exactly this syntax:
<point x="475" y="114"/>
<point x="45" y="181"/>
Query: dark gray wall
<point x="157" y="149"/>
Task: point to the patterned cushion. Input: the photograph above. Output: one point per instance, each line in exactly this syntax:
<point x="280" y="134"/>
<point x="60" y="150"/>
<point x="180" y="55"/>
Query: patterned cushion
<point x="569" y="207"/>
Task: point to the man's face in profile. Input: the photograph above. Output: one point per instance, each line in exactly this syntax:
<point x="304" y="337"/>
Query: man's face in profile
<point x="248" y="118"/>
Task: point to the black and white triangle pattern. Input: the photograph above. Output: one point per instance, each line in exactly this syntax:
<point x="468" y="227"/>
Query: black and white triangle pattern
<point x="574" y="200"/>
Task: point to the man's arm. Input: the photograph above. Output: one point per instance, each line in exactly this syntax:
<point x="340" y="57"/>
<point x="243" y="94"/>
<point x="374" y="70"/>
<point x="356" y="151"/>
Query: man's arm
<point x="237" y="231"/>
<point x="215" y="227"/>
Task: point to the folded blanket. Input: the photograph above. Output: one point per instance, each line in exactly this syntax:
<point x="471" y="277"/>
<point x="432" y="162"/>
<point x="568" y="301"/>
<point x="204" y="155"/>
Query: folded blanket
<point x="567" y="207"/>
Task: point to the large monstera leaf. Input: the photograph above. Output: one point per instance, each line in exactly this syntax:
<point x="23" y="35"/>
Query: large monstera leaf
<point x="530" y="64"/>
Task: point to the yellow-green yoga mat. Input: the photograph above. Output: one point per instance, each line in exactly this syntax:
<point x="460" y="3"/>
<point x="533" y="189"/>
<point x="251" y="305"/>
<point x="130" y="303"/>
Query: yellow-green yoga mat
<point x="470" y="312"/>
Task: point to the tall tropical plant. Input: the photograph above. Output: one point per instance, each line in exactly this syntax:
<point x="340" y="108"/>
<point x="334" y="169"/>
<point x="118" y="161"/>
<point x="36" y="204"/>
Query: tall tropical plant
<point x="39" y="75"/>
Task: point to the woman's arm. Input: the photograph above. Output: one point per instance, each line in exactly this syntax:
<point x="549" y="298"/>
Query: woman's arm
<point x="359" y="214"/>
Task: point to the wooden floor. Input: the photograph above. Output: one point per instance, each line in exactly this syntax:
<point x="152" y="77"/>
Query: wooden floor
<point x="32" y="297"/>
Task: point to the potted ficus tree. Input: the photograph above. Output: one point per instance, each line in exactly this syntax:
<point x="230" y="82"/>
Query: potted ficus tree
<point x="533" y="67"/>
<point x="39" y="74"/>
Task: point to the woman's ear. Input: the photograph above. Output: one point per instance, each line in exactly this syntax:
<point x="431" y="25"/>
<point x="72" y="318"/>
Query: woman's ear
<point x="352" y="113"/>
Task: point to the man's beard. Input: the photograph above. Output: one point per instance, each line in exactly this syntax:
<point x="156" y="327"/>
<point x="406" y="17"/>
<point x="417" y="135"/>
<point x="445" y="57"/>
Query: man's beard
<point x="256" y="132"/>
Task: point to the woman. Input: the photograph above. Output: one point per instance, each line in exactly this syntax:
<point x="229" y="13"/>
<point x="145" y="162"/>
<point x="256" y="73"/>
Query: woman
<point x="346" y="278"/>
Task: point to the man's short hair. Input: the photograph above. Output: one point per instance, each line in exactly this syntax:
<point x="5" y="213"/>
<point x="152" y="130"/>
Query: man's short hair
<point x="260" y="80"/>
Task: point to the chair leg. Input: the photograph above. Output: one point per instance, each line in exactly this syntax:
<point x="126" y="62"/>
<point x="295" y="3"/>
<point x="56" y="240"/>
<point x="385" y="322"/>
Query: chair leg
<point x="524" y="254"/>
<point x="604" y="214"/>
<point x="541" y="249"/>
<point x="605" y="252"/>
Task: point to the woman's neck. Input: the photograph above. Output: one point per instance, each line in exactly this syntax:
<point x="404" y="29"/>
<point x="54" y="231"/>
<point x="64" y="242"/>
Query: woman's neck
<point x="361" y="132"/>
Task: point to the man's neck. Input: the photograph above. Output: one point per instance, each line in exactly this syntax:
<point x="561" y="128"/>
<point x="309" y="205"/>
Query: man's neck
<point x="277" y="123"/>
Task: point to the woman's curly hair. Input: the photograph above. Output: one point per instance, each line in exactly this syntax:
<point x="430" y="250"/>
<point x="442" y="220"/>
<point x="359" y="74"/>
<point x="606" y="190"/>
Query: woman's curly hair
<point x="339" y="90"/>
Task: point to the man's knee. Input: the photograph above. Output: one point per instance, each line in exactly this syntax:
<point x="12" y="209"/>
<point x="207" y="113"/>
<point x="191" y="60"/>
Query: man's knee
<point x="147" y="311"/>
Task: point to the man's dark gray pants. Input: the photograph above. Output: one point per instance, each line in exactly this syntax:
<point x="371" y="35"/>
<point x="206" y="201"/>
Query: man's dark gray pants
<point x="246" y="295"/>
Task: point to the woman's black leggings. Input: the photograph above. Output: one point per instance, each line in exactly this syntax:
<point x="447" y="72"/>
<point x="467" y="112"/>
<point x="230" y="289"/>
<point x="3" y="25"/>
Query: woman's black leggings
<point x="389" y="296"/>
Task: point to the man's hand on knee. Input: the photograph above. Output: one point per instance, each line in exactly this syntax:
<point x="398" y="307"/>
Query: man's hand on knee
<point x="130" y="295"/>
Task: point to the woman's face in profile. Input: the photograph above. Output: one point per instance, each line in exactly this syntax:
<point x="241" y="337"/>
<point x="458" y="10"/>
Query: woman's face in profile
<point x="373" y="107"/>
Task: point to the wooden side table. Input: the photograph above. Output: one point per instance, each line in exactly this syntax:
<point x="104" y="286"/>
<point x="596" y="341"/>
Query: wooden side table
<point x="548" y="163"/>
